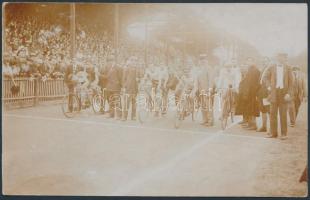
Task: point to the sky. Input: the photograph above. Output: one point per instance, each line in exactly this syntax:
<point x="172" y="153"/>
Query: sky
<point x="271" y="28"/>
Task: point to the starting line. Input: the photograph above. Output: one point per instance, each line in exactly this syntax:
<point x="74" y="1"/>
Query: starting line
<point x="220" y="132"/>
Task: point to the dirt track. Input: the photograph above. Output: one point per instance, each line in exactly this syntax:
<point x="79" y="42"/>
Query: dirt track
<point x="44" y="153"/>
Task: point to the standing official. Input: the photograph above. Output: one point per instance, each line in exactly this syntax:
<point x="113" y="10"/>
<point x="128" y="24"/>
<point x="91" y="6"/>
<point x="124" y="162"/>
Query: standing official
<point x="252" y="78"/>
<point x="264" y="106"/>
<point x="114" y="85"/>
<point x="131" y="78"/>
<point x="279" y="83"/>
<point x="203" y="85"/>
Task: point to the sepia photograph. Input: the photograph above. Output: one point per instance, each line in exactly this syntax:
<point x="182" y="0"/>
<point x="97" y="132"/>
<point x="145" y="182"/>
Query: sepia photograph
<point x="155" y="99"/>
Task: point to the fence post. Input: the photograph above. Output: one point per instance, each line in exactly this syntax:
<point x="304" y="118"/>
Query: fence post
<point x="35" y="100"/>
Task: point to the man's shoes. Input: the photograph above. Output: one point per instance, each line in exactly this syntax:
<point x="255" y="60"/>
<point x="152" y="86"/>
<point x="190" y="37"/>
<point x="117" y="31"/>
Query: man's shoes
<point x="242" y="122"/>
<point x="262" y="129"/>
<point x="203" y="123"/>
<point x="245" y="126"/>
<point x="292" y="125"/>
<point x="251" y="128"/>
<point x="270" y="136"/>
<point x="209" y="124"/>
<point x="283" y="137"/>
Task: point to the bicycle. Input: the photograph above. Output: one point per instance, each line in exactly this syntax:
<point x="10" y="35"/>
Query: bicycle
<point x="185" y="106"/>
<point x="149" y="105"/>
<point x="99" y="100"/>
<point x="74" y="101"/>
<point x="227" y="107"/>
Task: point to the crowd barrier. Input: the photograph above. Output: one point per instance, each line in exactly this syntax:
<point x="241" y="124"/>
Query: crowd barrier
<point x="31" y="91"/>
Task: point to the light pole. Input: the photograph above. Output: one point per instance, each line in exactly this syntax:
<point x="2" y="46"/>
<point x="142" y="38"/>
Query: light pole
<point x="146" y="36"/>
<point x="72" y="31"/>
<point x="116" y="30"/>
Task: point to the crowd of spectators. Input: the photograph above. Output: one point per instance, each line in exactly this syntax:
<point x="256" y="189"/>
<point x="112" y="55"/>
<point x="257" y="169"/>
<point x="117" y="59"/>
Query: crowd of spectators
<point x="38" y="48"/>
<point x="41" y="48"/>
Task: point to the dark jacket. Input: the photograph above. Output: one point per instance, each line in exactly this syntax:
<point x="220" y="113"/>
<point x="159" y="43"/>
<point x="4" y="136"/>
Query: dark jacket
<point x="114" y="82"/>
<point x="241" y="98"/>
<point x="252" y="85"/>
<point x="103" y="77"/>
<point x="270" y="78"/>
<point x="131" y="78"/>
<point x="68" y="78"/>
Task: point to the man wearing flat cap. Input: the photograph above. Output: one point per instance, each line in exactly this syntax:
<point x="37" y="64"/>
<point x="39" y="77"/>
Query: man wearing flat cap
<point x="279" y="83"/>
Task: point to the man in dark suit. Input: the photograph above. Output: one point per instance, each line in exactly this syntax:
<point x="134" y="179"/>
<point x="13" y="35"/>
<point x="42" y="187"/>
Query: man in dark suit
<point x="132" y="75"/>
<point x="251" y="90"/>
<point x="279" y="84"/>
<point x="264" y="107"/>
<point x="299" y="93"/>
<point x="113" y="86"/>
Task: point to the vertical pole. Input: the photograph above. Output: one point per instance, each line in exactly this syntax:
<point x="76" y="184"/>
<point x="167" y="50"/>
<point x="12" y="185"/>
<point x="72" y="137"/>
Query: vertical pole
<point x="35" y="88"/>
<point x="116" y="31"/>
<point x="146" y="36"/>
<point x="183" y="50"/>
<point x="72" y="31"/>
<point x="167" y="53"/>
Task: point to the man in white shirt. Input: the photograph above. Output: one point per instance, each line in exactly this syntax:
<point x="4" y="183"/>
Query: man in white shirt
<point x="279" y="84"/>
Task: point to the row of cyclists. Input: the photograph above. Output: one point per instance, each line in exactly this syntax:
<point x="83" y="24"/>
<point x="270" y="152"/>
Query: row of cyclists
<point x="200" y="81"/>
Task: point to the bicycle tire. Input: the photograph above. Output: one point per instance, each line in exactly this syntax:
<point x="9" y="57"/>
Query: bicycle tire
<point x="224" y="123"/>
<point x="76" y="106"/>
<point x="232" y="117"/>
<point x="144" y="112"/>
<point x="98" y="104"/>
<point x="179" y="115"/>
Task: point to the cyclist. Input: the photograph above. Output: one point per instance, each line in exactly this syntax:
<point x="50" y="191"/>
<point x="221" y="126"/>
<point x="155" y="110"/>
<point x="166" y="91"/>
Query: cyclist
<point x="163" y="79"/>
<point x="186" y="85"/>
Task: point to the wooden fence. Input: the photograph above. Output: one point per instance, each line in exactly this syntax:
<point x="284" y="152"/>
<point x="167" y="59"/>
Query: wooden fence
<point x="32" y="91"/>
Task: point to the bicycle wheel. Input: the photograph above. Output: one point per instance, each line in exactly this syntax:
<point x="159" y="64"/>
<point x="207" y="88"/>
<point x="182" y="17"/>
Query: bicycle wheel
<point x="144" y="110"/>
<point x="195" y="109"/>
<point x="225" y="114"/>
<point x="98" y="104"/>
<point x="179" y="115"/>
<point x="232" y="117"/>
<point x="224" y="123"/>
<point x="158" y="107"/>
<point x="72" y="108"/>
